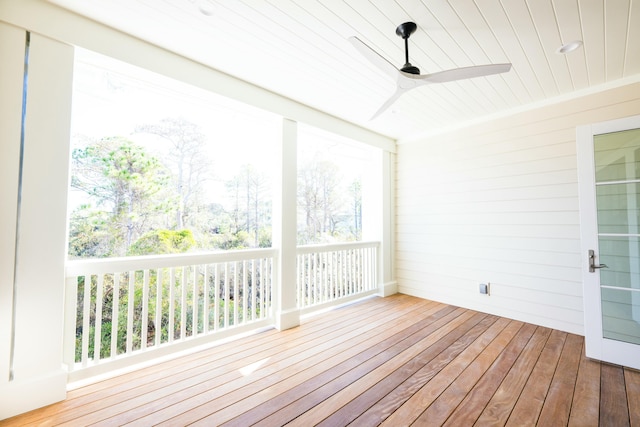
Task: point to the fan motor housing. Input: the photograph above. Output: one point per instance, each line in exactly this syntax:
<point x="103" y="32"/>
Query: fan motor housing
<point x="408" y="68"/>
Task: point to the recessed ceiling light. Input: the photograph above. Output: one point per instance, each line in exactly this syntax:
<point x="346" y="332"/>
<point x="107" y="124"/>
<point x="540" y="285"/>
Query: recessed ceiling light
<point x="206" y="7"/>
<point x="569" y="47"/>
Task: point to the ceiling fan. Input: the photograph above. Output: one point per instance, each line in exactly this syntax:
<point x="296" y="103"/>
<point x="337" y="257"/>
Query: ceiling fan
<point x="409" y="77"/>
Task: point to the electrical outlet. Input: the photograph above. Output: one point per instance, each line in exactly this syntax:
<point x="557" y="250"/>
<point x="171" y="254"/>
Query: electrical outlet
<point x="484" y="288"/>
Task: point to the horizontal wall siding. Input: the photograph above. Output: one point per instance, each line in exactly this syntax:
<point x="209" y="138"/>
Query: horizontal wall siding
<point x="498" y="203"/>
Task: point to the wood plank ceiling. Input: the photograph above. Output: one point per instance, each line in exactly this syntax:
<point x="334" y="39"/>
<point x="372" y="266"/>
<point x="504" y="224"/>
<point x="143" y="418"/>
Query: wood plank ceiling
<point x="300" y="50"/>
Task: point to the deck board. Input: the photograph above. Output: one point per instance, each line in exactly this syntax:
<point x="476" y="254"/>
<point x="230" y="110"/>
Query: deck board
<point x="585" y="411"/>
<point x="422" y="394"/>
<point x="302" y="359"/>
<point x="328" y="368"/>
<point x="632" y="382"/>
<point x="476" y="400"/>
<point x="366" y="391"/>
<point x="614" y="409"/>
<point x="383" y="361"/>
<point x="502" y="402"/>
<point x="320" y="405"/>
<point x="436" y="357"/>
<point x="557" y="404"/>
<point x="529" y="405"/>
<point x="396" y="397"/>
<point x="449" y="400"/>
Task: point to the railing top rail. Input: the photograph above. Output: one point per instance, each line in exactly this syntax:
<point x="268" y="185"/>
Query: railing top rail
<point x="136" y="263"/>
<point x="307" y="249"/>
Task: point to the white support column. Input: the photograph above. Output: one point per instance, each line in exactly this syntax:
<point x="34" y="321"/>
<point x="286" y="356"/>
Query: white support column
<point x="389" y="285"/>
<point x="12" y="51"/>
<point x="284" y="229"/>
<point x="377" y="217"/>
<point x="40" y="251"/>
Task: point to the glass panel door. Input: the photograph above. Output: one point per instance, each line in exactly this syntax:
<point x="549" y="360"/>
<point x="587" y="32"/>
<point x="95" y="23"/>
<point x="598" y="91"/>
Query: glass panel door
<point x="608" y="156"/>
<point x="617" y="182"/>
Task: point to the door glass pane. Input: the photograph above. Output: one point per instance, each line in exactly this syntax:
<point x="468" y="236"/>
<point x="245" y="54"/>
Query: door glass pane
<point x="617" y="155"/>
<point x="618" y="208"/>
<point x="621" y="255"/>
<point x="621" y="315"/>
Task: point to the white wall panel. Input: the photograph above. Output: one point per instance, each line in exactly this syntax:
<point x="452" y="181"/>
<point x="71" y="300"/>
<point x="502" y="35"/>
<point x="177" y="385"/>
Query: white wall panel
<point x="498" y="203"/>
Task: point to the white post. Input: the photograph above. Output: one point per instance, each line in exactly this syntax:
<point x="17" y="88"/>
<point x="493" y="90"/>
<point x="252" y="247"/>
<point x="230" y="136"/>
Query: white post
<point x="12" y="51"/>
<point x="377" y="217"/>
<point x="284" y="229"/>
<point x="387" y="248"/>
<point x="38" y="378"/>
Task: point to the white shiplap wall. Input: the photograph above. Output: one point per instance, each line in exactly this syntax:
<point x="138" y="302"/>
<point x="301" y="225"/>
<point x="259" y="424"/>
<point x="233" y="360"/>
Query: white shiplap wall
<point x="498" y="203"/>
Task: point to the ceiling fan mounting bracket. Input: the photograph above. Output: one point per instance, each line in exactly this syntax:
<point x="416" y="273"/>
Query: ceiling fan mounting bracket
<point x="406" y="29"/>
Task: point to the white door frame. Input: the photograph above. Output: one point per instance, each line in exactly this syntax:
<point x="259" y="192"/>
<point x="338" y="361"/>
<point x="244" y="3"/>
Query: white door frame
<point x="597" y="347"/>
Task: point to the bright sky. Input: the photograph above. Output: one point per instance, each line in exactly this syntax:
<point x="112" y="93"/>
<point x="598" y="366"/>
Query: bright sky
<point x="111" y="98"/>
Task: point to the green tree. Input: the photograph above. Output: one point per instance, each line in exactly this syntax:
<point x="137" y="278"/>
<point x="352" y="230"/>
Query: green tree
<point x="251" y="211"/>
<point x="128" y="194"/>
<point x="188" y="160"/>
<point x="355" y="191"/>
<point x="319" y="199"/>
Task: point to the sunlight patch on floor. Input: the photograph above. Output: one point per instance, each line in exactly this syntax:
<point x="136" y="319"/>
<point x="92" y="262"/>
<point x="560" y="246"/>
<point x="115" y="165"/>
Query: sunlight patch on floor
<point x="249" y="369"/>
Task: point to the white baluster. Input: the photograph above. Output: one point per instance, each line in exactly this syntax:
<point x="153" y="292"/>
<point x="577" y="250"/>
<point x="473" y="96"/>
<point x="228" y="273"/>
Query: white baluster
<point x="97" y="339"/>
<point x="86" y="317"/>
<point x="205" y="299"/>
<point x="226" y="294"/>
<point x="172" y="304"/>
<point x="114" y="315"/>
<point x="130" y="303"/>
<point x="183" y="304"/>
<point x="145" y="311"/>
<point x="158" y="321"/>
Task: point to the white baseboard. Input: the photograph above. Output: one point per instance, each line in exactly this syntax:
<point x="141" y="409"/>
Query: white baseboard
<point x="20" y="396"/>
<point x="287" y="319"/>
<point x="389" y="288"/>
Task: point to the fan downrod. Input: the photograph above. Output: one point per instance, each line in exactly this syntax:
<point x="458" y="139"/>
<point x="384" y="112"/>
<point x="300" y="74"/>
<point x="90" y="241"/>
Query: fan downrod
<point x="405" y="30"/>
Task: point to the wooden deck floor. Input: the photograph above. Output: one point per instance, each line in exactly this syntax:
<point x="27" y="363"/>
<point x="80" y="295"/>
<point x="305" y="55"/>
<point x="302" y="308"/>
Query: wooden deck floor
<point x="394" y="361"/>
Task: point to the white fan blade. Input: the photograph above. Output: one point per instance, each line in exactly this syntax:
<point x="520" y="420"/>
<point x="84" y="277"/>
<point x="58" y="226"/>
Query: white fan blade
<point x="460" y="73"/>
<point x="399" y="91"/>
<point x="374" y="57"/>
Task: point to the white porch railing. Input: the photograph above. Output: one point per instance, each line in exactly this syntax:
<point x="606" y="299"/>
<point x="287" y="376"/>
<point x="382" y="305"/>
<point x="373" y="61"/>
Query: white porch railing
<point x="331" y="274"/>
<point x="123" y="306"/>
<point x="121" y="311"/>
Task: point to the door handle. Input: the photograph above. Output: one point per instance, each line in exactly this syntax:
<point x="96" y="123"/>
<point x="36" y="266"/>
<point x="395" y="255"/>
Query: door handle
<point x="592" y="262"/>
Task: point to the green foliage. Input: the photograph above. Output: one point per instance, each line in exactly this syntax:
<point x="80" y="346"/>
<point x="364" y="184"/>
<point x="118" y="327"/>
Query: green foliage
<point x="128" y="188"/>
<point x="321" y="194"/>
<point x="264" y="238"/>
<point x="163" y="242"/>
<point x="89" y="233"/>
<point x="138" y="204"/>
